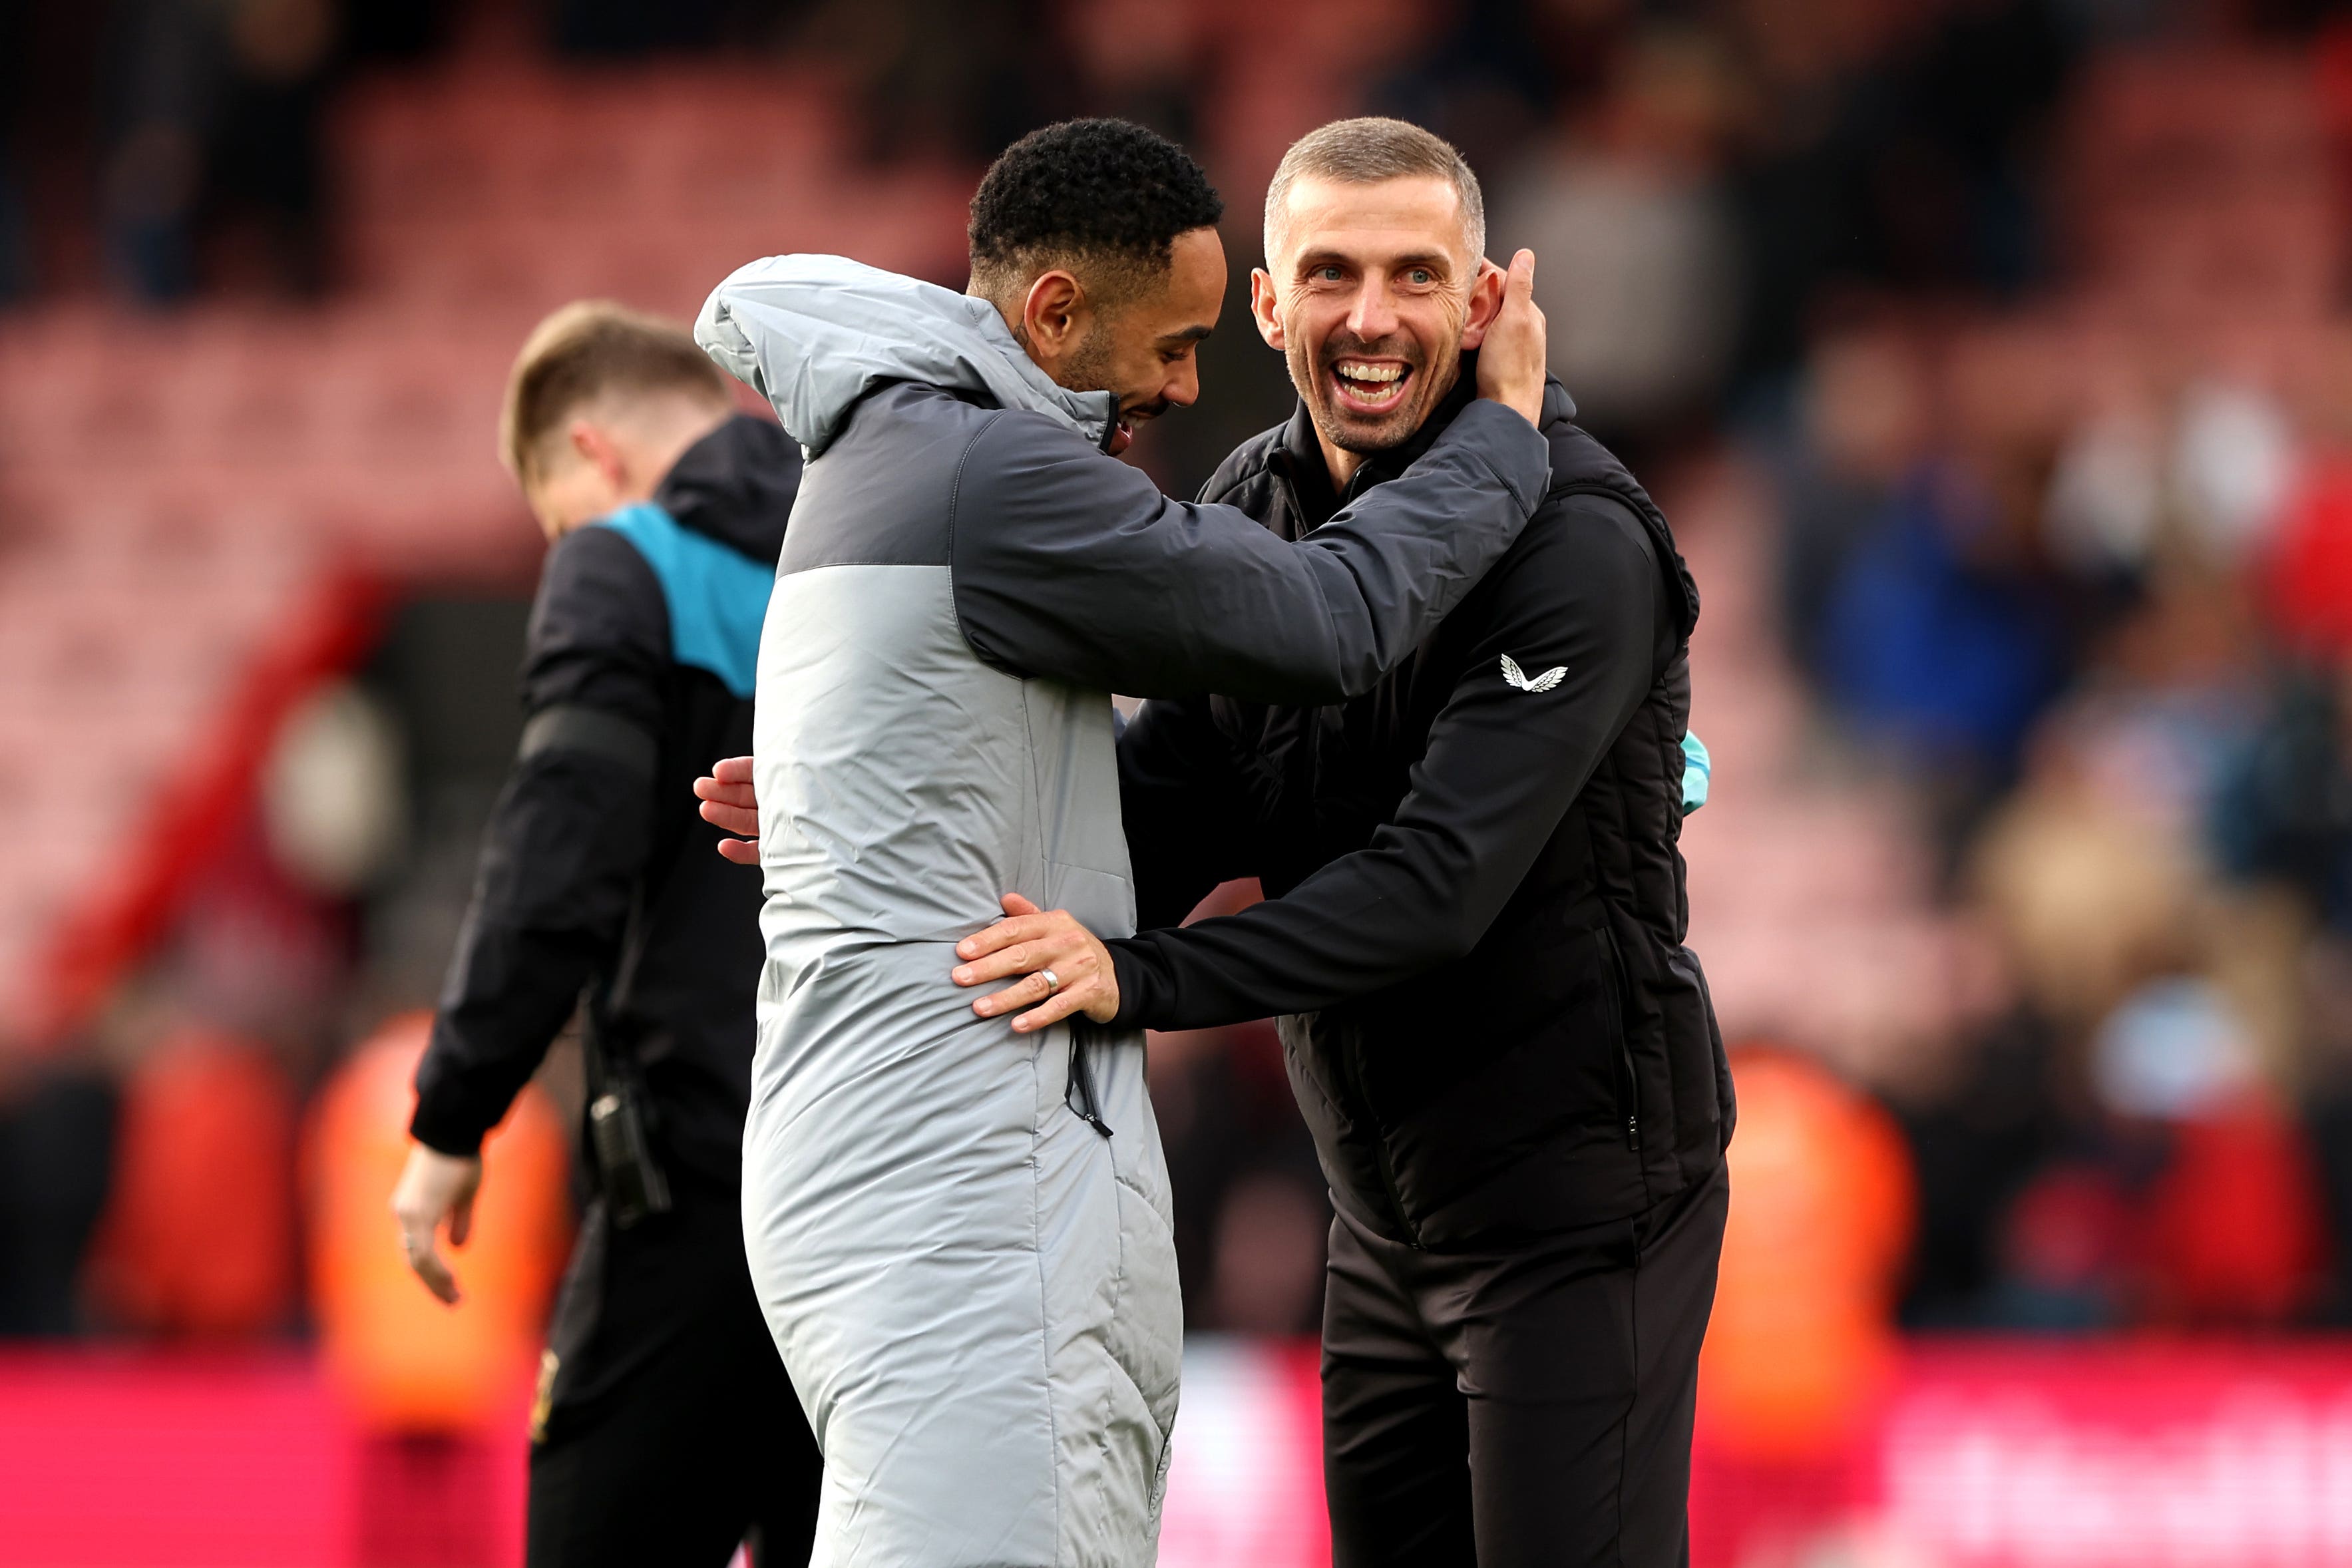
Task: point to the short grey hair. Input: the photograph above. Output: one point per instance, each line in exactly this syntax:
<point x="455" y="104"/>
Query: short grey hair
<point x="1364" y="153"/>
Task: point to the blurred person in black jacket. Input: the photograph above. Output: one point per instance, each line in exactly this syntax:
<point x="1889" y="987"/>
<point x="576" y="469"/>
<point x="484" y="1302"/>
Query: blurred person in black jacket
<point x="666" y="1430"/>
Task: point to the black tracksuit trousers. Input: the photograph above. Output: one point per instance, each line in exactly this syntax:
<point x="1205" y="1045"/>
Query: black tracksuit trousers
<point x="1563" y="1371"/>
<point x="669" y="1432"/>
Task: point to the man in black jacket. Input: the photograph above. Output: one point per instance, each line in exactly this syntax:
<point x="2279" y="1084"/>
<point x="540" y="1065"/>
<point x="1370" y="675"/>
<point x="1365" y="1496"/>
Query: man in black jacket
<point x="1473" y="930"/>
<point x="666" y="1430"/>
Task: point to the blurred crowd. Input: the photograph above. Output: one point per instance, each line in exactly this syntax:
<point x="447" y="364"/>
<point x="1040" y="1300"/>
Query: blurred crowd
<point x="2020" y="323"/>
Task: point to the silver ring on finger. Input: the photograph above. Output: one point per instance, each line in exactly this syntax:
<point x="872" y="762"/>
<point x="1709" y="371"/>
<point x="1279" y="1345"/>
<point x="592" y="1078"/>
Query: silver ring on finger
<point x="1053" y="981"/>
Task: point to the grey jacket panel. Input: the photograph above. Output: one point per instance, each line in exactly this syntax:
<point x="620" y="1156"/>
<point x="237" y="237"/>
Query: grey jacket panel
<point x="880" y="496"/>
<point x="1071" y="566"/>
<point x="814" y="335"/>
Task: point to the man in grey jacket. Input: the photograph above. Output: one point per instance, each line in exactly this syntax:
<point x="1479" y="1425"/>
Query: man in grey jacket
<point x="959" y="1229"/>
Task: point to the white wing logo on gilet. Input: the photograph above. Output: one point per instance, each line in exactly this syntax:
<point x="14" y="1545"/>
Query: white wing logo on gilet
<point x="1544" y="682"/>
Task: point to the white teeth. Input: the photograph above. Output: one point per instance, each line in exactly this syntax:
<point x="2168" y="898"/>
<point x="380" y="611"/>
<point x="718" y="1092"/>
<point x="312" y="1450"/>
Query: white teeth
<point x="1371" y="373"/>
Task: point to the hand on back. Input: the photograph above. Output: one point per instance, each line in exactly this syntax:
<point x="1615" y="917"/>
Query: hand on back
<point x="1053" y="961"/>
<point x="1026" y="946"/>
<point x="729" y="804"/>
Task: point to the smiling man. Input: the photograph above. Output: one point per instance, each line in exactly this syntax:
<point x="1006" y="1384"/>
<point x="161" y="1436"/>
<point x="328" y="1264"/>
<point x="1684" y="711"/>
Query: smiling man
<point x="1474" y="930"/>
<point x="960" y="1230"/>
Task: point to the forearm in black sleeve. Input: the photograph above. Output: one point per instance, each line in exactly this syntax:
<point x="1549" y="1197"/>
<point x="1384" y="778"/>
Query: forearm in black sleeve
<point x="1186" y="810"/>
<point x="550" y="904"/>
<point x="1069" y="564"/>
<point x="566" y="841"/>
<point x="1502" y="766"/>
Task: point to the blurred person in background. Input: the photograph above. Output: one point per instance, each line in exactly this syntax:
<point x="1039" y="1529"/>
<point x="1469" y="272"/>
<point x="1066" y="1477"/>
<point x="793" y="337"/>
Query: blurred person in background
<point x="1949" y="626"/>
<point x="1507" y="1058"/>
<point x="961" y="1230"/>
<point x="59" y="1134"/>
<point x="1641" y="287"/>
<point x="216" y="110"/>
<point x="1863" y="421"/>
<point x="666" y="1430"/>
<point x="966" y="76"/>
<point x="15" y="220"/>
<point x="1886" y="147"/>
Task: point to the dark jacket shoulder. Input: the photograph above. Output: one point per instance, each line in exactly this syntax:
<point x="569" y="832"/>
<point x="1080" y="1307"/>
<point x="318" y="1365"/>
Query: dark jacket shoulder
<point x="1245" y="464"/>
<point x="737" y="485"/>
<point x="1582" y="466"/>
<point x="599" y="629"/>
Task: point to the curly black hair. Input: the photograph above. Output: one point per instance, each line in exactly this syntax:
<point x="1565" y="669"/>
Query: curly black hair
<point x="1102" y="191"/>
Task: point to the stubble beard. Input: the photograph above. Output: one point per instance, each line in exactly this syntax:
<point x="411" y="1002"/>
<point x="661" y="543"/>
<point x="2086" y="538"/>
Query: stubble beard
<point x="1311" y="373"/>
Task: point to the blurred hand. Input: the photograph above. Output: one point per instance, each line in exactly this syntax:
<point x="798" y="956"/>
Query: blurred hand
<point x="1027" y="942"/>
<point x="728" y="802"/>
<point x="1511" y="361"/>
<point x="435" y="1186"/>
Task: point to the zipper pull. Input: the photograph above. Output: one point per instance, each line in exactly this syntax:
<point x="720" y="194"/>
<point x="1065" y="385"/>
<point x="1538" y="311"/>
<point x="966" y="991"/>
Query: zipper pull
<point x="1633" y="1132"/>
<point x="1080" y="1096"/>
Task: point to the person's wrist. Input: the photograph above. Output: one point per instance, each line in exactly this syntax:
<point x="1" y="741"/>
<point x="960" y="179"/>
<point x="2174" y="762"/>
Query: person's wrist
<point x="451" y="1138"/>
<point x="1124" y="975"/>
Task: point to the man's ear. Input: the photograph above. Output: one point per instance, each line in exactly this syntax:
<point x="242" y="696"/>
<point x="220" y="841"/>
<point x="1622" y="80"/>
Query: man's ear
<point x="1266" y="311"/>
<point x="597" y="448"/>
<point x="1054" y="316"/>
<point x="1485" y="301"/>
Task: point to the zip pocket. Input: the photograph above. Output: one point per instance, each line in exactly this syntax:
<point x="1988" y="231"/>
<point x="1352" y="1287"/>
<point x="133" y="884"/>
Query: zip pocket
<point x="1080" y="1096"/>
<point x="1629" y="1081"/>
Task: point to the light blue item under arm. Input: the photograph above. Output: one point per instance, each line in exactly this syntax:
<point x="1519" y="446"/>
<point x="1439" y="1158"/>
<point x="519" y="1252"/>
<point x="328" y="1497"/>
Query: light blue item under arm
<point x="1697" y="769"/>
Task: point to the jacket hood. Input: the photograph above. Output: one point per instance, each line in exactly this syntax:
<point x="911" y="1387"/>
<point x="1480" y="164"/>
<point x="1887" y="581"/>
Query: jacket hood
<point x="736" y="485"/>
<point x="813" y="334"/>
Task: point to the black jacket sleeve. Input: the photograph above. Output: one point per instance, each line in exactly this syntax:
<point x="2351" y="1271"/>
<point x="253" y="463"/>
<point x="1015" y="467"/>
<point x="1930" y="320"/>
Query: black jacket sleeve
<point x="1071" y="564"/>
<point x="1186" y="807"/>
<point x="1581" y="595"/>
<point x="566" y="841"/>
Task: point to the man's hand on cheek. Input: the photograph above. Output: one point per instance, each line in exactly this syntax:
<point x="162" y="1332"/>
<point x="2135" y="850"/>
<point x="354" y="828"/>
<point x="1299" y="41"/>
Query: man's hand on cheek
<point x="1512" y="355"/>
<point x="1063" y="967"/>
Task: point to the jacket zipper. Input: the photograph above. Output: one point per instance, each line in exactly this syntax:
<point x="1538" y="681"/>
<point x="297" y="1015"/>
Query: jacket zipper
<point x="1621" y="989"/>
<point x="1082" y="1085"/>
